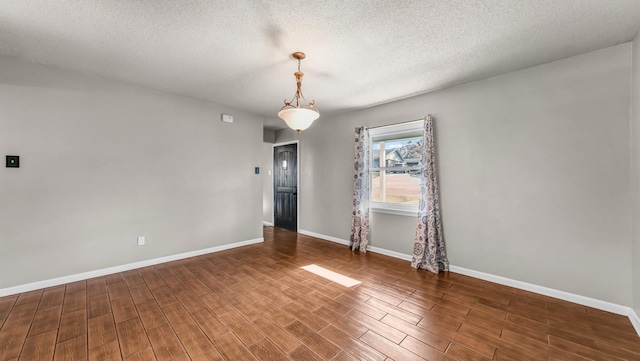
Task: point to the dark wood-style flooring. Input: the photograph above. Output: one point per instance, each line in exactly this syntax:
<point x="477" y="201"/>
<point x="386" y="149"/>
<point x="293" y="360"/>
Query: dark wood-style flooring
<point x="255" y="302"/>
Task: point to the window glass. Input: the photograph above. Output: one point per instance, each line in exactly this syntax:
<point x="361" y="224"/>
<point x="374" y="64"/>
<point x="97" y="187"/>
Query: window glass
<point x="396" y="162"/>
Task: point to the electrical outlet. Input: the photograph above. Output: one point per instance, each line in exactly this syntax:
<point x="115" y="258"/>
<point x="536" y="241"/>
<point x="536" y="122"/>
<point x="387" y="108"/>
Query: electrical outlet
<point x="141" y="241"/>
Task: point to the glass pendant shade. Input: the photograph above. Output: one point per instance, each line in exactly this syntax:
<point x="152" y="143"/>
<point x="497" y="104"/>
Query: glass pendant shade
<point x="298" y="119"/>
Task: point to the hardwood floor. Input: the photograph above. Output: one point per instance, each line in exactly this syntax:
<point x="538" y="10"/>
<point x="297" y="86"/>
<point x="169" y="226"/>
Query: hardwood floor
<point x="255" y="302"/>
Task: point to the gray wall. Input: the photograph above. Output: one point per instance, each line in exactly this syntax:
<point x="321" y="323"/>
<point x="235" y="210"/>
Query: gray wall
<point x="534" y="174"/>
<point x="103" y="163"/>
<point x="267" y="182"/>
<point x="268" y="135"/>
<point x="635" y="170"/>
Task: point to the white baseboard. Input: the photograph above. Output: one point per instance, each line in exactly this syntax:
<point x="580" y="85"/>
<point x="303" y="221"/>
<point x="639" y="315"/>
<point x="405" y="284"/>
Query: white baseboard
<point x="581" y="300"/>
<point x="635" y="320"/>
<point x="267" y="224"/>
<point x="121" y="268"/>
<point x="566" y="296"/>
<point x="322" y="236"/>
<point x="406" y="257"/>
<point x="386" y="252"/>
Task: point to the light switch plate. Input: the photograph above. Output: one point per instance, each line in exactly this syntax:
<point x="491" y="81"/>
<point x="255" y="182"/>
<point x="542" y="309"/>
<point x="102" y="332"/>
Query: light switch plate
<point x="13" y="161"/>
<point x="227" y="118"/>
<point x="141" y="241"/>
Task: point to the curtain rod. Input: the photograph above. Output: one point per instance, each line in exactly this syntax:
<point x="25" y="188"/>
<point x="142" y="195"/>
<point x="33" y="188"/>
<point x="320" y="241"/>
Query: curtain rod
<point x="405" y="122"/>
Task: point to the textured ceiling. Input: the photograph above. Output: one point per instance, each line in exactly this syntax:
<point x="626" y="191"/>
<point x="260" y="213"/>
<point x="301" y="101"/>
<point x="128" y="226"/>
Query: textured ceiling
<point x="359" y="53"/>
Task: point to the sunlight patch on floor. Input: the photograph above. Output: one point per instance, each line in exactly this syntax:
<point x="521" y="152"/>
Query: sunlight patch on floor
<point x="330" y="275"/>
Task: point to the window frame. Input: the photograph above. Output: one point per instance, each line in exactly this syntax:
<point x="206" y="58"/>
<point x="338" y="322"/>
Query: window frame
<point x="392" y="130"/>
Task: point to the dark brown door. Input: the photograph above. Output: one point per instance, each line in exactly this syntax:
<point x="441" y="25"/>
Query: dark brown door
<point x="285" y="186"/>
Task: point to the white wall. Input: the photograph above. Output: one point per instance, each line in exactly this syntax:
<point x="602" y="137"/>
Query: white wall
<point x="534" y="174"/>
<point x="103" y="163"/>
<point x="635" y="170"/>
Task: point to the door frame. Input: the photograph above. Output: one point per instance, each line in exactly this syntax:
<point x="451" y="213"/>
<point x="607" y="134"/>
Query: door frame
<point x="273" y="211"/>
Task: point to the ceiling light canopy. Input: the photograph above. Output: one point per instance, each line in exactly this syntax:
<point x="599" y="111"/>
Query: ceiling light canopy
<point x="298" y="113"/>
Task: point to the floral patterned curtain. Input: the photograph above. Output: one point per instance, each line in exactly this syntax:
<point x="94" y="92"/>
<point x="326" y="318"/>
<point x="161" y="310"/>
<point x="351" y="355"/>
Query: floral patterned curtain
<point x="429" y="251"/>
<point x="360" y="216"/>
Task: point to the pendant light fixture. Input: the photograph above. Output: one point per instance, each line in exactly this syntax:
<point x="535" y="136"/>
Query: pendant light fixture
<point x="298" y="113"/>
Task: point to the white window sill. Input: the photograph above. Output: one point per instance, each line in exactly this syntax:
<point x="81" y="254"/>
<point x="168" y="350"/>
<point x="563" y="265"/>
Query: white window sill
<point x="396" y="212"/>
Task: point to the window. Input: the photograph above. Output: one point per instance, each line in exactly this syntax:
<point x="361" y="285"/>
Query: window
<point x="396" y="161"/>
